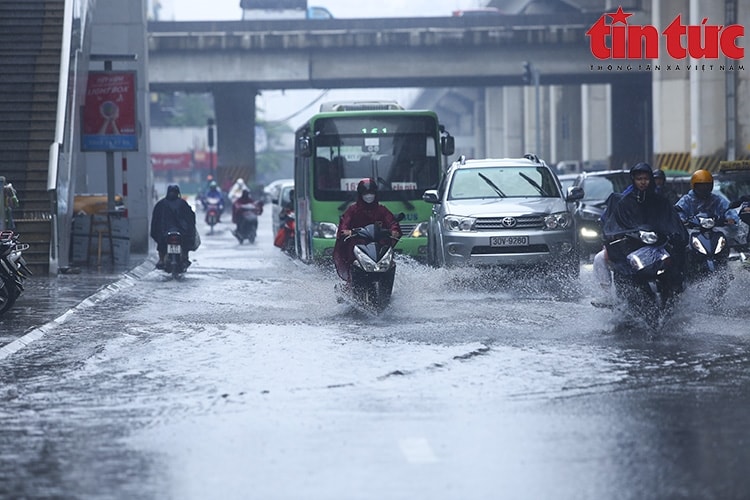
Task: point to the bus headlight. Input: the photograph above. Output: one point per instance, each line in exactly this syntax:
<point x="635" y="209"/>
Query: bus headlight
<point x="326" y="230"/>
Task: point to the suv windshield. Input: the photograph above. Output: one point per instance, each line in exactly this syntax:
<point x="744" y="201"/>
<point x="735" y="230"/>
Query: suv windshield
<point x="501" y="182"/>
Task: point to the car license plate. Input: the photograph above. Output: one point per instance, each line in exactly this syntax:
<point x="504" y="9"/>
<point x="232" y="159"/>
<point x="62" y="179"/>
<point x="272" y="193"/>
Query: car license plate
<point x="509" y="241"/>
<point x="174" y="249"/>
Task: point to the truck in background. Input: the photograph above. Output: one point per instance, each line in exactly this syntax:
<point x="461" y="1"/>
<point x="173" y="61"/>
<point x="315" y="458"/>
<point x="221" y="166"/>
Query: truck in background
<point x="281" y="9"/>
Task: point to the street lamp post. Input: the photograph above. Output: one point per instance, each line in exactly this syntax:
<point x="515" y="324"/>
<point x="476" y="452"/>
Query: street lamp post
<point x="531" y="75"/>
<point x="211" y="146"/>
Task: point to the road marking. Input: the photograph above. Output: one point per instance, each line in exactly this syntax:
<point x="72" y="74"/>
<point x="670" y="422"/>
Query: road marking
<point x="417" y="451"/>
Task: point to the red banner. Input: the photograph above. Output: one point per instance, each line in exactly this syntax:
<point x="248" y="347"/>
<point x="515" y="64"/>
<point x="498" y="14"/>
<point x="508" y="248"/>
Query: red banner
<point x="162" y="162"/>
<point x="109" y="112"/>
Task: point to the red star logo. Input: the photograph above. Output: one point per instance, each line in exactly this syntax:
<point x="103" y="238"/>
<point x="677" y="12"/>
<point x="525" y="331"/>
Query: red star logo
<point x="620" y="16"/>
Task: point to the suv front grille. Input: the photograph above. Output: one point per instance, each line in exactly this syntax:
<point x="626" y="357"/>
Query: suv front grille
<point x="522" y="222"/>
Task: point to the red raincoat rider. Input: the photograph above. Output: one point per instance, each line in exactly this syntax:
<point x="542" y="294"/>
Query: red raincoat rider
<point x="365" y="211"/>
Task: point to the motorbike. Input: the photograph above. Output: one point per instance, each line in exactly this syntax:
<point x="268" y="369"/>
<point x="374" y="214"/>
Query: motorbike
<point x="13" y="269"/>
<point x="174" y="263"/>
<point x="708" y="254"/>
<point x="644" y="273"/>
<point x="285" y="236"/>
<point x="373" y="268"/>
<point x="213" y="211"/>
<point x="247" y="221"/>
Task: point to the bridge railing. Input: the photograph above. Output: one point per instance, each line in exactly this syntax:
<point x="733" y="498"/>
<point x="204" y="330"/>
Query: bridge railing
<point x="386" y="33"/>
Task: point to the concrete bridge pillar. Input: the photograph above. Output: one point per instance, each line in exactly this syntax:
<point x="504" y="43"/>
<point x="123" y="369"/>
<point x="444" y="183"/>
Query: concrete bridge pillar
<point x="671" y="98"/>
<point x="596" y="143"/>
<point x="513" y="121"/>
<point x="234" y="105"/>
<point x="565" y="123"/>
<point x="708" y="131"/>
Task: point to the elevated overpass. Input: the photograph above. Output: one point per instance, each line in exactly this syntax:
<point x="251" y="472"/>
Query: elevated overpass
<point x="236" y="59"/>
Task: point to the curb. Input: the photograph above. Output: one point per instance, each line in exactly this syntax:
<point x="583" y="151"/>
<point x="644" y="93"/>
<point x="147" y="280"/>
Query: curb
<point x="127" y="280"/>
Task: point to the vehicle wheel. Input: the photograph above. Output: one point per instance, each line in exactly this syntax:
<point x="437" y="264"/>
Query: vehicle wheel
<point x="8" y="295"/>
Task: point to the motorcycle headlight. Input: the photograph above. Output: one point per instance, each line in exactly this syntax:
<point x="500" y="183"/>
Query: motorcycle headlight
<point x="369" y="265"/>
<point x="588" y="233"/>
<point x="458" y="223"/>
<point x="326" y="230"/>
<point x="698" y="246"/>
<point x="707" y="222"/>
<point x="720" y="245"/>
<point x="560" y="220"/>
<point x="648" y="237"/>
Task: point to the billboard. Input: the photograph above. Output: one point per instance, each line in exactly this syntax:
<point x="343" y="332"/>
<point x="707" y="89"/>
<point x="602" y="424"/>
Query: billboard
<point x="109" y="112"/>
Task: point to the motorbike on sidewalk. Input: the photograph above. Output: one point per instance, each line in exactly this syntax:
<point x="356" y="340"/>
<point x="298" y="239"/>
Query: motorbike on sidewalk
<point x="213" y="212"/>
<point x="373" y="269"/>
<point x="246" y="219"/>
<point x="13" y="269"/>
<point x="175" y="263"/>
<point x="285" y="236"/>
<point x="645" y="276"/>
<point x="708" y="255"/>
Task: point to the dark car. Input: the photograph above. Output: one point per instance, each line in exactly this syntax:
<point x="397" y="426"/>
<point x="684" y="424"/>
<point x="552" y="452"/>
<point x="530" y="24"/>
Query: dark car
<point x="597" y="186"/>
<point x="733" y="180"/>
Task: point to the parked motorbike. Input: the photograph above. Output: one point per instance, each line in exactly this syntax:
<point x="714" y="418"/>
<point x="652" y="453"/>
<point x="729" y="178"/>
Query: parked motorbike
<point x="13" y="269"/>
<point x="247" y="221"/>
<point x="175" y="264"/>
<point x="285" y="236"/>
<point x="213" y="212"/>
<point x="645" y="276"/>
<point x="373" y="268"/>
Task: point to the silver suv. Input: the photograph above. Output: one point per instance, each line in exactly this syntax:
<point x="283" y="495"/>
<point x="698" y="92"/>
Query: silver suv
<point x="503" y="212"/>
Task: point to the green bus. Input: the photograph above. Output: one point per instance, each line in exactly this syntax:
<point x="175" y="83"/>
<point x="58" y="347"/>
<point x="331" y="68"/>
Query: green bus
<point x="345" y="143"/>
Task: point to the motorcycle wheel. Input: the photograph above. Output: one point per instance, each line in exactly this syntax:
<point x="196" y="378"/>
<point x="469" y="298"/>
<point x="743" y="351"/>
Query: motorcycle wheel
<point x="8" y="295"/>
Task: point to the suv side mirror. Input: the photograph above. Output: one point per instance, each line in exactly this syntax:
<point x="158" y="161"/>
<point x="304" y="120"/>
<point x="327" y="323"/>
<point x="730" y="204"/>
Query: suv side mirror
<point x="431" y="196"/>
<point x="575" y="193"/>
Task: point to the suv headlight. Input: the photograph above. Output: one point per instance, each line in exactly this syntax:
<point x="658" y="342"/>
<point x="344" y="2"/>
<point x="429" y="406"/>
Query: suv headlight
<point x="325" y="230"/>
<point x="560" y="220"/>
<point x="458" y="223"/>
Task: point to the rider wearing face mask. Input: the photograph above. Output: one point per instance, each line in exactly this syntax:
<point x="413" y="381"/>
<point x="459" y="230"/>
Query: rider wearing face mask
<point x="365" y="211"/>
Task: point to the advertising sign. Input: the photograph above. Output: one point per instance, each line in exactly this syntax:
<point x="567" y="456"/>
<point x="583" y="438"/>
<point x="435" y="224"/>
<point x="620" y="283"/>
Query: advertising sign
<point x="109" y="112"/>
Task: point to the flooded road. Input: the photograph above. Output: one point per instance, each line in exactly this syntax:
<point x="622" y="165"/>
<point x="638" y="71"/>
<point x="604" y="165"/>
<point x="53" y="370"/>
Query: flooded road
<point x="246" y="379"/>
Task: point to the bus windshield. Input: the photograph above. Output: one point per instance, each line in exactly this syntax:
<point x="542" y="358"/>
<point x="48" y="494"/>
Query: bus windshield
<point x="400" y="152"/>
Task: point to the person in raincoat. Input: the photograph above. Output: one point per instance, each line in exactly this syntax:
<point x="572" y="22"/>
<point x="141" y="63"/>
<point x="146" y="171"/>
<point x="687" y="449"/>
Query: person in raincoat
<point x="235" y="192"/>
<point x="640" y="206"/>
<point x="169" y="214"/>
<point x="366" y="210"/>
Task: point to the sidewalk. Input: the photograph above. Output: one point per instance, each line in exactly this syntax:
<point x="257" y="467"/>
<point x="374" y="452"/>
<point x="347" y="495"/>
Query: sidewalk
<point x="46" y="298"/>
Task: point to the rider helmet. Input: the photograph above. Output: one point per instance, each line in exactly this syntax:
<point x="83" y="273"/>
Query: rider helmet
<point x="659" y="174"/>
<point x="701" y="176"/>
<point x="367" y="190"/>
<point x="213" y="184"/>
<point x="702" y="183"/>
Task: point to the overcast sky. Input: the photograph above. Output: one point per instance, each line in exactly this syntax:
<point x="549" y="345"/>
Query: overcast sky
<point x="298" y="105"/>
